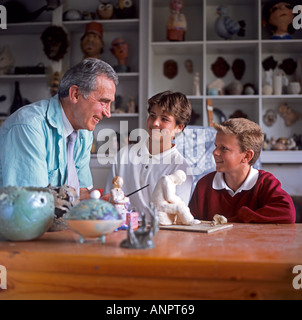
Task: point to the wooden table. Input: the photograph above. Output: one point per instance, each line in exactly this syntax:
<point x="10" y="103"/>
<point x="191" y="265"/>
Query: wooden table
<point x="248" y="261"/>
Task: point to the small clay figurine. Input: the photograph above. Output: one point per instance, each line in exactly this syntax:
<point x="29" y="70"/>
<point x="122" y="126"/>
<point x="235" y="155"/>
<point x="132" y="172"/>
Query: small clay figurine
<point x="289" y="115"/>
<point x="218" y="219"/>
<point x="226" y="27"/>
<point x="105" y="10"/>
<point x="120" y="50"/>
<point x="177" y="23"/>
<point x="171" y="208"/>
<point x="118" y="198"/>
<point x="125" y="9"/>
<point x="189" y="65"/>
<point x="142" y="238"/>
<point x="277" y="17"/>
<point x="92" y="40"/>
<point x="196" y="85"/>
<point x="6" y="61"/>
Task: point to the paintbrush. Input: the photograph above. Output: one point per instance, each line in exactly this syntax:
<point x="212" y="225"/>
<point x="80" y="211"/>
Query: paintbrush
<point x="130" y="194"/>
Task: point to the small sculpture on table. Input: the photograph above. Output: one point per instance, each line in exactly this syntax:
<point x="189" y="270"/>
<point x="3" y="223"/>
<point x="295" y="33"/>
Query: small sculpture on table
<point x="120" y="50"/>
<point x="277" y="17"/>
<point x="171" y="208"/>
<point x="117" y="196"/>
<point x="92" y="40"/>
<point x="142" y="238"/>
<point x="177" y="23"/>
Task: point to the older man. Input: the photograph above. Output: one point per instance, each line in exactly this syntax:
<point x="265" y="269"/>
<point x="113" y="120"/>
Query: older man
<point x="34" y="139"/>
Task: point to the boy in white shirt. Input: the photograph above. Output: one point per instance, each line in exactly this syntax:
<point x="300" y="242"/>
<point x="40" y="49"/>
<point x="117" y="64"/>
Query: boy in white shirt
<point x="155" y="155"/>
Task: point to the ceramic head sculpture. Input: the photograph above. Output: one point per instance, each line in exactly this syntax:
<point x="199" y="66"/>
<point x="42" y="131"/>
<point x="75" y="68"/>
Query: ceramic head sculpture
<point x="55" y="42"/>
<point x="120" y="49"/>
<point x="170" y="207"/>
<point x="92" y="40"/>
<point x="277" y="17"/>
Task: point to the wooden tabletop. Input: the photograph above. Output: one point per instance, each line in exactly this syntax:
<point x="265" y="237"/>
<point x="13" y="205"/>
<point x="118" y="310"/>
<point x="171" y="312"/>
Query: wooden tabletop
<point x="248" y="261"/>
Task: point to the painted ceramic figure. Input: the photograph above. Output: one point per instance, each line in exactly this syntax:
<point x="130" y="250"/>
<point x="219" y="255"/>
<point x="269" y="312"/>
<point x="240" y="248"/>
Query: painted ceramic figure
<point x="226" y="27"/>
<point x="277" y="18"/>
<point x="105" y="10"/>
<point x="120" y="50"/>
<point x="118" y="198"/>
<point x="92" y="40"/>
<point x="177" y="23"/>
<point x="171" y="208"/>
<point x="125" y="9"/>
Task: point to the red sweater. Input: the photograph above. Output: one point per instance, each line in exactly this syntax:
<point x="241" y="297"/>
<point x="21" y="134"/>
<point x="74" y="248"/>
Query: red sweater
<point x="266" y="202"/>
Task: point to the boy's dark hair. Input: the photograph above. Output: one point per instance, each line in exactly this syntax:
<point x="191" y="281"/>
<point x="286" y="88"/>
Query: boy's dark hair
<point x="174" y="103"/>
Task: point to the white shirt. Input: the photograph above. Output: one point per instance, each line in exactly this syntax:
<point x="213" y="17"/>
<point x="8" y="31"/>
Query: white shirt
<point x="67" y="127"/>
<point x="148" y="169"/>
<point x="219" y="182"/>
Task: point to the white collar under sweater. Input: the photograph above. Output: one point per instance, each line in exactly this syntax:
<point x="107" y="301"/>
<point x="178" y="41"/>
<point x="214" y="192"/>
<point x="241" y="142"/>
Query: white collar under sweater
<point x="219" y="182"/>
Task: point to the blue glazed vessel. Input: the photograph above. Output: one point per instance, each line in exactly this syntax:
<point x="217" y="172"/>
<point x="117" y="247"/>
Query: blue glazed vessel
<point x="25" y="212"/>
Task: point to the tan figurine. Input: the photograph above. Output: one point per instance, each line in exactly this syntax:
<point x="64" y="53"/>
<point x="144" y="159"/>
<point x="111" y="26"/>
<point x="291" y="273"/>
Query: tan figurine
<point x="177" y="23"/>
<point x="171" y="208"/>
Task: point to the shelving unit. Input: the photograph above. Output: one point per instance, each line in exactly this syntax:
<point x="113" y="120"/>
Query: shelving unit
<point x="149" y="49"/>
<point x="203" y="46"/>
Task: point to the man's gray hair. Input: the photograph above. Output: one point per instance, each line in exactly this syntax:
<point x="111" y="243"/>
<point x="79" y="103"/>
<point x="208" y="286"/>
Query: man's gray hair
<point x="84" y="75"/>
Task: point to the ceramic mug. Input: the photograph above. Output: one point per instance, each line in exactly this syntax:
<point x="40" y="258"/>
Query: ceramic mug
<point x="294" y="88"/>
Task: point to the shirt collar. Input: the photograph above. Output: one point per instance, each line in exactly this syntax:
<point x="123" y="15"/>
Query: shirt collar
<point x="145" y="152"/>
<point x="67" y="127"/>
<point x="219" y="182"/>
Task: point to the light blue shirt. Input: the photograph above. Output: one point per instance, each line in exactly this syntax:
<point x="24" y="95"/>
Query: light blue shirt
<point x="33" y="148"/>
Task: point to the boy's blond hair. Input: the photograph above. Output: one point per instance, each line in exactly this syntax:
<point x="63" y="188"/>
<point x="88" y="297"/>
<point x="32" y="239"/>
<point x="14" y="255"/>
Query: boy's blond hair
<point x="248" y="134"/>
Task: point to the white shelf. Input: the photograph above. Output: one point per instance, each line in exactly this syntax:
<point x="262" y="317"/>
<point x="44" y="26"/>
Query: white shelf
<point x="25" y="28"/>
<point x="286" y="157"/>
<point x="19" y="77"/>
<point x="203" y="48"/>
<point x="108" y="25"/>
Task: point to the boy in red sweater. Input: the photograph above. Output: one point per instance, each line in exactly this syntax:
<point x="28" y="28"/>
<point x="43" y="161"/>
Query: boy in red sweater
<point x="236" y="190"/>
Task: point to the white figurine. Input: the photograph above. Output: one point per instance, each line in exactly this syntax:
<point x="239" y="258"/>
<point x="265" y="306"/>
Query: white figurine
<point x="118" y="198"/>
<point x="196" y="86"/>
<point x="171" y="208"/>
